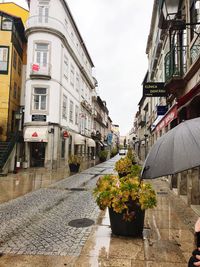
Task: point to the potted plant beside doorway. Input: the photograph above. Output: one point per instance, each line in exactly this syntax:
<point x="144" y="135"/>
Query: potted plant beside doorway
<point x="74" y="163"/>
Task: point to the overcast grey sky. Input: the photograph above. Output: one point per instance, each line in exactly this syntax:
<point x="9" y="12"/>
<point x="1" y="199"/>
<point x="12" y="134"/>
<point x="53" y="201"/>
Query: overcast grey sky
<point x="115" y="33"/>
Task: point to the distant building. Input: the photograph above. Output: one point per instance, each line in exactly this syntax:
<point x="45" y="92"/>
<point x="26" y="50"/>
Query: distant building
<point x="116" y="135"/>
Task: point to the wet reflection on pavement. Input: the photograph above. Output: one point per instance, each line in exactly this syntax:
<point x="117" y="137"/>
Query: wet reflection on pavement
<point x="25" y="181"/>
<point x="167" y="240"/>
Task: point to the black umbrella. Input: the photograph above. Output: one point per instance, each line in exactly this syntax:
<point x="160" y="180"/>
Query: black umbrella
<point x="175" y="151"/>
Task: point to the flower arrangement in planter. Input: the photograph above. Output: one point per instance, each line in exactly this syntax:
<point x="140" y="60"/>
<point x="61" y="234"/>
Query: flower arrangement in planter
<point x="127" y="199"/>
<point x="131" y="156"/>
<point x="74" y="162"/>
<point x="123" y="166"/>
<point x="103" y="155"/>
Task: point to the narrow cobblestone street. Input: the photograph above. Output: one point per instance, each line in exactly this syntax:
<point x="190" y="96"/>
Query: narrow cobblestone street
<point x="37" y="228"/>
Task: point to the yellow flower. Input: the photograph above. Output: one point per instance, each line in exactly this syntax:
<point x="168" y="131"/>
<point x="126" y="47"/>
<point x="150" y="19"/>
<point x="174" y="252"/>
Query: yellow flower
<point x="122" y="194"/>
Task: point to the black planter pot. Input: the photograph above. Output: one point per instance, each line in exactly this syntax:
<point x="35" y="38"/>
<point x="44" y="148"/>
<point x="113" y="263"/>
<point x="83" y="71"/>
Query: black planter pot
<point x="132" y="228"/>
<point x="74" y="167"/>
<point x="123" y="174"/>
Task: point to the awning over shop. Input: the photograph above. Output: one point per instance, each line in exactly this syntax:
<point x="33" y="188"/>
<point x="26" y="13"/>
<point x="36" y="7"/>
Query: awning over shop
<point x="90" y="142"/>
<point x="187" y="98"/>
<point x="79" y="139"/>
<point x="33" y="134"/>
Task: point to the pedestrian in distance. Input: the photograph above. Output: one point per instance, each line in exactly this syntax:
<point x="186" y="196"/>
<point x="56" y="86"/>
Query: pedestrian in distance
<point x="195" y="258"/>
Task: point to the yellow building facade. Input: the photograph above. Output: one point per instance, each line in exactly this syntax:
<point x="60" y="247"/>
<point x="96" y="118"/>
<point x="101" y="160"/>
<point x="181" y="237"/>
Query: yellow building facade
<point x="15" y="10"/>
<point x="12" y="59"/>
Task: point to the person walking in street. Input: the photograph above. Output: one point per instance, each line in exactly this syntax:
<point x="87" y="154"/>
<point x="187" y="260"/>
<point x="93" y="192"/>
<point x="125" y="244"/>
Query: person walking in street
<point x="195" y="258"/>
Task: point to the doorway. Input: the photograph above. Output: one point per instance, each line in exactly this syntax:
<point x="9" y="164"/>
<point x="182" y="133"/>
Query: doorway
<point x="37" y="154"/>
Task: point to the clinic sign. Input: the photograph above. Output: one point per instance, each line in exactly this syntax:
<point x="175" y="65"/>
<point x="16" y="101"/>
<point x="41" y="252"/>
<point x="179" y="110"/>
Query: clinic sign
<point x="154" y="90"/>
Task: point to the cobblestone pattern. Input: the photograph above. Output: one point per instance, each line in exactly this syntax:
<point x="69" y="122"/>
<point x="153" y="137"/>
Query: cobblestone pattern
<point x="44" y="229"/>
<point x="37" y="223"/>
<point x="74" y="181"/>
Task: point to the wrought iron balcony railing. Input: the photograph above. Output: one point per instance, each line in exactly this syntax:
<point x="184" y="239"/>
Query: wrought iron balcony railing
<point x="57" y="25"/>
<point x="195" y="50"/>
<point x="38" y="69"/>
<point x="176" y="62"/>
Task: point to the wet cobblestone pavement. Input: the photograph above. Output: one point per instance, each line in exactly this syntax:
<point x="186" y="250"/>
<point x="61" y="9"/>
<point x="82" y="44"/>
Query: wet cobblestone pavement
<point x="35" y="228"/>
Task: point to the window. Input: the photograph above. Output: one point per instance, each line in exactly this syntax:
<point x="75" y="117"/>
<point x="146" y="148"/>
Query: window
<point x="43" y="14"/>
<point x="77" y="82"/>
<point x="42" y="54"/>
<point x="19" y="66"/>
<point x="66" y="67"/>
<point x="6" y="24"/>
<point x="194" y="15"/>
<point x="14" y="59"/>
<point x="4" y="59"/>
<point x="64" y="109"/>
<point x="39" y="99"/>
<point x="15" y="90"/>
<point x="89" y="125"/>
<point x="63" y="148"/>
<point x="71" y="111"/>
<point x="72" y="75"/>
<point x="76" y="115"/>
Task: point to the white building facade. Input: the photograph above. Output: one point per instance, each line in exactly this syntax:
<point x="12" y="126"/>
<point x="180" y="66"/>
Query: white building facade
<point x="59" y="87"/>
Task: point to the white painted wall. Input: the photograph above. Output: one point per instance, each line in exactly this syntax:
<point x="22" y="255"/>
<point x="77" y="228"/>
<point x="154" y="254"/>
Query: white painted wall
<point x="58" y="85"/>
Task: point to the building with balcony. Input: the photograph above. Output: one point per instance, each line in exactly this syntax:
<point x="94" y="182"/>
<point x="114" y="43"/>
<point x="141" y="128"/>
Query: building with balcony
<point x="174" y="59"/>
<point x="102" y="133"/>
<point x="59" y="86"/>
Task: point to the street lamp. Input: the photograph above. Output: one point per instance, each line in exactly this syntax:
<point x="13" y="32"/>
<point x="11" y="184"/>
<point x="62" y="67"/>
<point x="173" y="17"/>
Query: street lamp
<point x="169" y="8"/>
<point x="18" y="114"/>
<point x="169" y="19"/>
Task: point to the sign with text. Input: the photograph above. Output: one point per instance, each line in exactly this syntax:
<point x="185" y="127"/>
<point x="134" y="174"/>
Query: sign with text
<point x="38" y="117"/>
<point x="169" y="117"/>
<point x="154" y="89"/>
<point x="161" y="110"/>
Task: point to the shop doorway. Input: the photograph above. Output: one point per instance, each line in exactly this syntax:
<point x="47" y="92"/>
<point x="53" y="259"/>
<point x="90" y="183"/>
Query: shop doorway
<point x="37" y="154"/>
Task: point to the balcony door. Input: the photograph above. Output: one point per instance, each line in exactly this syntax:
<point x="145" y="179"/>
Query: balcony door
<point x="41" y="58"/>
<point x="43" y="14"/>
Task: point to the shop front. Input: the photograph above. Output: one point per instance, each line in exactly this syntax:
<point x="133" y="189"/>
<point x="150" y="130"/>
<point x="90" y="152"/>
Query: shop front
<point x="168" y="121"/>
<point x="36" y="141"/>
<point x="189" y="104"/>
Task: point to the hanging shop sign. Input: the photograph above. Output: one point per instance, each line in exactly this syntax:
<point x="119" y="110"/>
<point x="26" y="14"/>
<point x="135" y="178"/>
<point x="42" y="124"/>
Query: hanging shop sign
<point x="161" y="110"/>
<point x="154" y="90"/>
<point x="109" y="138"/>
<point x="65" y="134"/>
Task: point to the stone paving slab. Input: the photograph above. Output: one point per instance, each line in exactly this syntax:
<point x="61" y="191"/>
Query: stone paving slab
<point x="38" y="222"/>
<point x="77" y="180"/>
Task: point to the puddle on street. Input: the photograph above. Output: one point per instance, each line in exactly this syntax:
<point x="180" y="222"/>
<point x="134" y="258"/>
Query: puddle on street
<point x="25" y="181"/>
<point x="167" y="240"/>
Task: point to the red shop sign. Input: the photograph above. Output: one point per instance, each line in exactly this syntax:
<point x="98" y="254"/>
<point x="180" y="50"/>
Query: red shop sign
<point x="65" y="134"/>
<point x="170" y="116"/>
